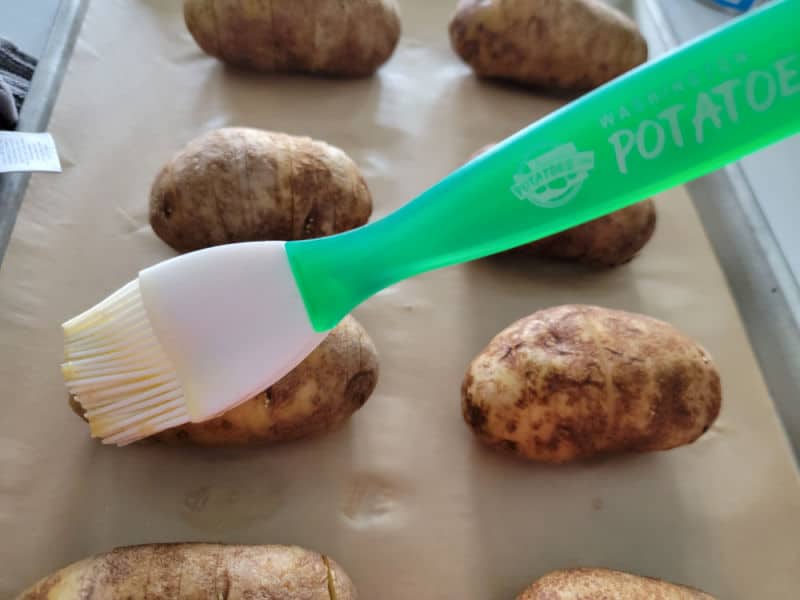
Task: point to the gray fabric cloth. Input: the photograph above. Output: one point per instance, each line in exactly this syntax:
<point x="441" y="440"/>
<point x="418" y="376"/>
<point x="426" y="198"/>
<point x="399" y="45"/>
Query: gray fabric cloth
<point x="8" y="108"/>
<point x="16" y="72"/>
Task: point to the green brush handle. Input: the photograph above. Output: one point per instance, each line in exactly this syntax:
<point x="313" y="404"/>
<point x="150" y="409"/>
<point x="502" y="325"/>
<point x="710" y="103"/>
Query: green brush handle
<point x="694" y="110"/>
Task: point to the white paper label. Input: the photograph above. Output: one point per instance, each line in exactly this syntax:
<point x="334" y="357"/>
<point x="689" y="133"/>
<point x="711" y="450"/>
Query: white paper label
<point x="21" y="151"/>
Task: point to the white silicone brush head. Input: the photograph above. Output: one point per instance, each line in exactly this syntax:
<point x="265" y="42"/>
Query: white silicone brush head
<point x="189" y="339"/>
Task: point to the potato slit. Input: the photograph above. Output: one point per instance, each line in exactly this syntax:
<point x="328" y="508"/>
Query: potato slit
<point x="249" y="208"/>
<point x="360" y="352"/>
<point x="218" y="210"/>
<point x="226" y="575"/>
<point x="181" y="564"/>
<point x="355" y="179"/>
<point x="331" y="583"/>
<point x="217" y="567"/>
<point x="276" y="57"/>
<point x="215" y="20"/>
<point x="85" y="584"/>
<point x="653" y="391"/>
<point x="171" y="184"/>
<point x="610" y="392"/>
<point x="264" y="56"/>
<point x="312" y="63"/>
<point x="290" y="149"/>
<point x="348" y="22"/>
<point x="149" y="570"/>
<point x="243" y="182"/>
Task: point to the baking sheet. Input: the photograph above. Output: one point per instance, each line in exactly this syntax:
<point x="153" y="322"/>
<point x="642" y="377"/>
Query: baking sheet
<point x="402" y="496"/>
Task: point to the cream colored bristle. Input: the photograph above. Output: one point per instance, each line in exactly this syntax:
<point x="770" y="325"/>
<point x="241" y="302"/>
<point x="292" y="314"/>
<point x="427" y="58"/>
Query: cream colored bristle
<point x="116" y="369"/>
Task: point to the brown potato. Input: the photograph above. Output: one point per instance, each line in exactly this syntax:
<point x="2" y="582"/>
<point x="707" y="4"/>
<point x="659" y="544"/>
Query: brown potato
<point x="568" y="44"/>
<point x="240" y="184"/>
<point x="610" y="241"/>
<point x="317" y="396"/>
<point x="604" y="584"/>
<point x="573" y="382"/>
<point x="328" y="37"/>
<point x="198" y="572"/>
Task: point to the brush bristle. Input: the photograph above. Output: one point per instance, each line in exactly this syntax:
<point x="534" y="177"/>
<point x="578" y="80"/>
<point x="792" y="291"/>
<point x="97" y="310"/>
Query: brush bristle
<point x="116" y="369"/>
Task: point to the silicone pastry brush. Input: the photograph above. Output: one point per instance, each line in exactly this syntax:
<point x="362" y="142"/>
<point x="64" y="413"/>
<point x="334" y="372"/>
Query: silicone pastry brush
<point x="198" y="334"/>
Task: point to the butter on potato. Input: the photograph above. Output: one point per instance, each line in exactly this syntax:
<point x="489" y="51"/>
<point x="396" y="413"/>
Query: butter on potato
<point x="573" y="382"/>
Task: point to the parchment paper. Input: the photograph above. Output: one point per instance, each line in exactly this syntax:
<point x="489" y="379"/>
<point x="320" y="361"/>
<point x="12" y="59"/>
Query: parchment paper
<point x="403" y="497"/>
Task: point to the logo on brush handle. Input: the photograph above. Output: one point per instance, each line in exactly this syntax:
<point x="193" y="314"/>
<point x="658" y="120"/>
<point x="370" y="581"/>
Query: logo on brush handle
<point x="554" y="178"/>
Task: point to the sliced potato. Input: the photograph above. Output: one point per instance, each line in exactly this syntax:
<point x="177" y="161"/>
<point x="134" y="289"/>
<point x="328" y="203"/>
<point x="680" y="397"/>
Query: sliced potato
<point x="317" y="396"/>
<point x="238" y="184"/>
<point x="328" y="37"/>
<point x="566" y="44"/>
<point x="198" y="572"/>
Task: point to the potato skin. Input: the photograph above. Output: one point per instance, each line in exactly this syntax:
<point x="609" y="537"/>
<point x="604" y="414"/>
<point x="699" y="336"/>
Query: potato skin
<point x="317" y="396"/>
<point x="197" y="572"/>
<point x="573" y="382"/>
<point x="603" y="584"/>
<point x="609" y="241"/>
<point x="239" y="184"/>
<point x="329" y="37"/>
<point x="563" y="45"/>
